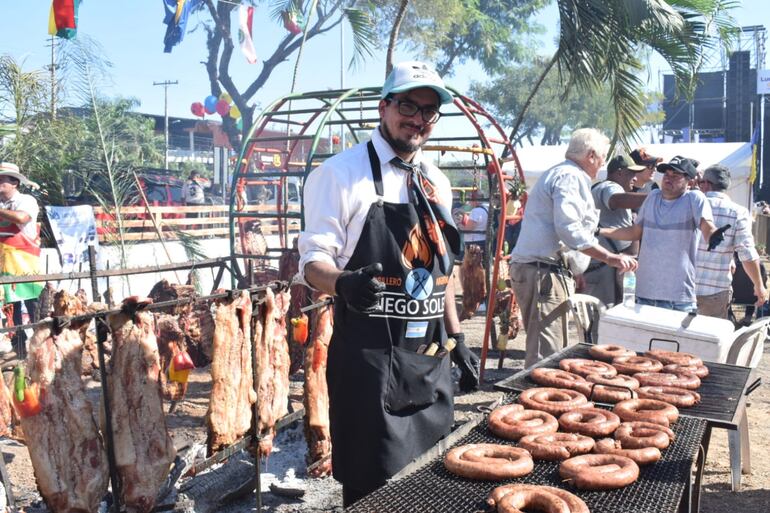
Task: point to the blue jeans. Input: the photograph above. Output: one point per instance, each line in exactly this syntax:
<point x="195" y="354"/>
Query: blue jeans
<point x="682" y="306"/>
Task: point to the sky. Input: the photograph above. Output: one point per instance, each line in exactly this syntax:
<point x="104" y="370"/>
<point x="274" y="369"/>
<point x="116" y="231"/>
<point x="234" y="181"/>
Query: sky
<point x="131" y="35"/>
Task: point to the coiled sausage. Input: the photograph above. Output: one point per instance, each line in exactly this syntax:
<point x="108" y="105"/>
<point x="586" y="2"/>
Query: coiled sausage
<point x="699" y="370"/>
<point x="585" y="367"/>
<point x="557" y="378"/>
<point x="663" y="379"/>
<point x="593" y="422"/>
<point x="634" y="364"/>
<point x="599" y="471"/>
<point x="606" y="352"/>
<point x="642" y="456"/>
<point x="553" y="400"/>
<point x="621" y="380"/>
<point x="646" y="410"/>
<point x="556" y="446"/>
<point x="575" y="503"/>
<point x="491" y="462"/>
<point x="667" y="357"/>
<point x="679" y="397"/>
<point x="512" y="421"/>
<point x="637" y="435"/>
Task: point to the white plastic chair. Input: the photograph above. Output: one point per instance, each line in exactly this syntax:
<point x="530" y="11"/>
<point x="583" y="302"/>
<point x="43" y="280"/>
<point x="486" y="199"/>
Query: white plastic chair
<point x="746" y="350"/>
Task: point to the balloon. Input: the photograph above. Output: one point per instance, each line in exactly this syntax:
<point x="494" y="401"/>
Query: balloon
<point x="210" y="103"/>
<point x="223" y="108"/>
<point x="197" y="109"/>
<point x="226" y="97"/>
<point x="239" y="123"/>
<point x="335" y="139"/>
<point x="235" y="112"/>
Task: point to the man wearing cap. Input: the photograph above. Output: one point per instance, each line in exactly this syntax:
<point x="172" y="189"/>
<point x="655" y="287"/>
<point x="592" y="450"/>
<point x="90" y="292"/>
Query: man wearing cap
<point x="20" y="244"/>
<point x="667" y="225"/>
<point x="714" y="278"/>
<point x="644" y="182"/>
<point x="380" y="237"/>
<point x="560" y="218"/>
<point x="615" y="200"/>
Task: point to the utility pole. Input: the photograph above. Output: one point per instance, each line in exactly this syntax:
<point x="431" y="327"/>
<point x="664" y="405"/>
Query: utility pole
<point x="53" y="77"/>
<point x="165" y="85"/>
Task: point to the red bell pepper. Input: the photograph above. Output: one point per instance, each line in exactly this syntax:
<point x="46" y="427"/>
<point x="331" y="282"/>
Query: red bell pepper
<point x="299" y="329"/>
<point x="25" y="398"/>
<point x="180" y="367"/>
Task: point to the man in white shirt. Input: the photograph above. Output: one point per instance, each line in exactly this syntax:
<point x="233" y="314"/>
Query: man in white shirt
<point x="380" y="237"/>
<point x="560" y="215"/>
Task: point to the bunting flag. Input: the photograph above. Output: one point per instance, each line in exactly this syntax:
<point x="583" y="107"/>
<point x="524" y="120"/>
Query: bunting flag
<point x="63" y="18"/>
<point x="754" y="146"/>
<point x="246" y="15"/>
<point x="177" y="12"/>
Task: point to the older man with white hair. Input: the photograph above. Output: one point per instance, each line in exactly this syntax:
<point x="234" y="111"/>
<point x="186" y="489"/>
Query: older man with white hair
<point x="560" y="217"/>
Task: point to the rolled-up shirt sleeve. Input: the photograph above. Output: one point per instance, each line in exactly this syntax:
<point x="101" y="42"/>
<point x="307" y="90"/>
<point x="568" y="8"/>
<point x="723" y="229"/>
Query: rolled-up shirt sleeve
<point x="326" y="218"/>
<point x="570" y="213"/>
<point x="744" y="240"/>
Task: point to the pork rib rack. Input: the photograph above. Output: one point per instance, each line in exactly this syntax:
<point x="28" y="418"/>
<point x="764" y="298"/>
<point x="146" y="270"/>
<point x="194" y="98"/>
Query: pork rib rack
<point x="63" y="440"/>
<point x="232" y="380"/>
<point x="143" y="448"/>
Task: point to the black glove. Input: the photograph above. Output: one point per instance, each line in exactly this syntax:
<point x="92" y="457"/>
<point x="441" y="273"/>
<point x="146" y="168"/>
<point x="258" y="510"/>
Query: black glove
<point x="467" y="362"/>
<point x="717" y="237"/>
<point x="359" y="289"/>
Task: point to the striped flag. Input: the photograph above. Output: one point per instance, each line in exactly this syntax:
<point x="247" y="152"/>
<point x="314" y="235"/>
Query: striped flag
<point x="19" y="256"/>
<point x="246" y="16"/>
<point x="63" y="18"/>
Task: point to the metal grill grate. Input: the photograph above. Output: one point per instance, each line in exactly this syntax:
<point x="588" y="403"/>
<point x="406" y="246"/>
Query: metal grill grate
<point x="720" y="392"/>
<point x="431" y="488"/>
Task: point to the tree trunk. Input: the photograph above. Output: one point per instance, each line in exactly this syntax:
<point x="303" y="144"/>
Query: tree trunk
<point x="394" y="36"/>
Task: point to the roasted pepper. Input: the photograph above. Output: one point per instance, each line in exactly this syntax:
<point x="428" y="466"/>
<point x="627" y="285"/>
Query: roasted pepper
<point x="299" y="329"/>
<point x="25" y="398"/>
<point x="180" y="367"/>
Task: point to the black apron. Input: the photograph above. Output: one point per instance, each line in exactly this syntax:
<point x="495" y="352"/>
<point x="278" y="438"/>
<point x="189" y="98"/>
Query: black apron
<point x="388" y="403"/>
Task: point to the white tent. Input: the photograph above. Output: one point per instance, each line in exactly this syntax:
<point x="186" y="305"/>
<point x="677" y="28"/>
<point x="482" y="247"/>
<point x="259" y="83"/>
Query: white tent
<point x="735" y="156"/>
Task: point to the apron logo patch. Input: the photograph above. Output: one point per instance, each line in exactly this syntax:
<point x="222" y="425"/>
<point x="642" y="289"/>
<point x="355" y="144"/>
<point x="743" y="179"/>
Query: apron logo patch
<point x="419" y="284"/>
<point x="416" y="329"/>
<point x="416" y="251"/>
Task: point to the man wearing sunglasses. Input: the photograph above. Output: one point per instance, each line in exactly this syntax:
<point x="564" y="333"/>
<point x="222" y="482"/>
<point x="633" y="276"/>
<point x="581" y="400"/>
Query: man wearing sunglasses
<point x="379" y="236"/>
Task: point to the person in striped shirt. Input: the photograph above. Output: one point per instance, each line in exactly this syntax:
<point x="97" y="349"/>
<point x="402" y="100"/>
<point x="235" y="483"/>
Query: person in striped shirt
<point x="713" y="274"/>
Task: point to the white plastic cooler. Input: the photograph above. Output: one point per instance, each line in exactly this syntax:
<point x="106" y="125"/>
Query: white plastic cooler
<point x="707" y="337"/>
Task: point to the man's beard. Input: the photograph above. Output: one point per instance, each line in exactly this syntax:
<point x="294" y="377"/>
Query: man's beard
<point x="399" y="145"/>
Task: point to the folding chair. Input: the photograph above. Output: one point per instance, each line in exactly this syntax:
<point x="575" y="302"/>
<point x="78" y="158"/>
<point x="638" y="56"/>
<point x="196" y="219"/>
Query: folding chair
<point x="746" y="350"/>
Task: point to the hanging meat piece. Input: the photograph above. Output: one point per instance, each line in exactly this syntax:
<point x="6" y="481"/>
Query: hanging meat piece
<point x="63" y="439"/>
<point x="143" y="448"/>
<point x="288" y="267"/>
<point x="171" y="341"/>
<point x="45" y="302"/>
<point x="474" y="281"/>
<point x="232" y="382"/>
<point x="90" y="349"/>
<point x="316" y="397"/>
<point x="6" y="410"/>
<point x="271" y="357"/>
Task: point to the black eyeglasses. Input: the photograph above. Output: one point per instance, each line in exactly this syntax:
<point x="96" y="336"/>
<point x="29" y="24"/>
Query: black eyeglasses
<point x="429" y="114"/>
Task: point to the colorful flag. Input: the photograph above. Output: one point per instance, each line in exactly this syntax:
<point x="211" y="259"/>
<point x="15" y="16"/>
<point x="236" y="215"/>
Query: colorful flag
<point x="177" y="12"/>
<point x="754" y="146"/>
<point x="19" y="256"/>
<point x="63" y="18"/>
<point x="246" y="15"/>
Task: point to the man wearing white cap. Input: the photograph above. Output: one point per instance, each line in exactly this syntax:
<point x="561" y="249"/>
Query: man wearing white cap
<point x="380" y="237"/>
<point x="20" y="244"/>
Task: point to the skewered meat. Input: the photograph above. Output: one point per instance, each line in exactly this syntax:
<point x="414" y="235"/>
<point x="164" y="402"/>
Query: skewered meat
<point x="474" y="281"/>
<point x="316" y="397"/>
<point x="143" y="448"/>
<point x="63" y="439"/>
<point x="232" y="391"/>
<point x="45" y="302"/>
<point x="6" y="411"/>
<point x="288" y="267"/>
<point x="171" y="340"/>
<point x="271" y="358"/>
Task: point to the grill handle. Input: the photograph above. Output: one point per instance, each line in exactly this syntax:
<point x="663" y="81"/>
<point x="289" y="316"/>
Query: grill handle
<point x="753" y="386"/>
<point x="663" y="340"/>
<point x="593" y="385"/>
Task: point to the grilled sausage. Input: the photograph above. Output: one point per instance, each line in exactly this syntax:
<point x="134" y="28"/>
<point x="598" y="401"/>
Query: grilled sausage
<point x="637" y="435"/>
<point x="553" y="400"/>
<point x="646" y="410"/>
<point x="642" y="456"/>
<point x="575" y="503"/>
<point x="489" y="462"/>
<point x="679" y="397"/>
<point x="512" y="423"/>
<point x="557" y="378"/>
<point x="699" y="370"/>
<point x="663" y="379"/>
<point x="668" y="357"/>
<point x="533" y="500"/>
<point x="556" y="446"/>
<point x="599" y="471"/>
<point x="585" y="367"/>
<point x="634" y="364"/>
<point x="606" y="352"/>
<point x="593" y="422"/>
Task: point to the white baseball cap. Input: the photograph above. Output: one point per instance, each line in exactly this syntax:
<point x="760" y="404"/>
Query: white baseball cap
<point x="413" y="75"/>
<point x="12" y="170"/>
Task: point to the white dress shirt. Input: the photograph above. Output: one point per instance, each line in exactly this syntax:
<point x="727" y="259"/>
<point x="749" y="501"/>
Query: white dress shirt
<point x="339" y="193"/>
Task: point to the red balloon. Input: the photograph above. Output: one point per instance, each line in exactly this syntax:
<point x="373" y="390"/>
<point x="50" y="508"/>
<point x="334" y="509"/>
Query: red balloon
<point x="197" y="109"/>
<point x="223" y="108"/>
<point x="335" y="139"/>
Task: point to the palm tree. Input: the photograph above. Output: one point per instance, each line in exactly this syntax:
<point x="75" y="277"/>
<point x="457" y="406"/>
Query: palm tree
<point x="22" y="96"/>
<point x="600" y="42"/>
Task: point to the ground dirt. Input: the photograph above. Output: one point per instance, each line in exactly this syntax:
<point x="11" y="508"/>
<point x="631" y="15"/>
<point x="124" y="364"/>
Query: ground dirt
<point x="286" y="465"/>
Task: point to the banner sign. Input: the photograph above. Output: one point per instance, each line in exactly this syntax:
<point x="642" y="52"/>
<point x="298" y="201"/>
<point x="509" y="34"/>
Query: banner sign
<point x="74" y="229"/>
<point x="763" y="81"/>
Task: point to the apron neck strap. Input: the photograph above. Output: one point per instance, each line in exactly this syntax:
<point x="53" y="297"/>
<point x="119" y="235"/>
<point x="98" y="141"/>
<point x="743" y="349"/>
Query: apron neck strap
<point x="374" y="162"/>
